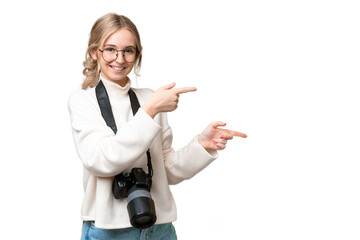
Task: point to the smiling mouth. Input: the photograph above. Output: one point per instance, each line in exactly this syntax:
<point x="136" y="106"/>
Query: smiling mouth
<point x="119" y="69"/>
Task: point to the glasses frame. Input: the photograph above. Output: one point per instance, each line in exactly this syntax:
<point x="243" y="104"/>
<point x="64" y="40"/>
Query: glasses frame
<point x="117" y="54"/>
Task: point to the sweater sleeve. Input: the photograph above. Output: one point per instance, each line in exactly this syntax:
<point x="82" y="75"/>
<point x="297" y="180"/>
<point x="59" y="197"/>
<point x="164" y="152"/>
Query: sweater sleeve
<point x="102" y="152"/>
<point x="187" y="161"/>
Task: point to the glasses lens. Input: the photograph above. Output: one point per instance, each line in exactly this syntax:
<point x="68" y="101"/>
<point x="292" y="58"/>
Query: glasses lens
<point x="130" y="55"/>
<point x="109" y="54"/>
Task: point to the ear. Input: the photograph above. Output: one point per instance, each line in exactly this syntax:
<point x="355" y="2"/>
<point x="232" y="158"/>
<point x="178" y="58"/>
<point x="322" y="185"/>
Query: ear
<point x="93" y="54"/>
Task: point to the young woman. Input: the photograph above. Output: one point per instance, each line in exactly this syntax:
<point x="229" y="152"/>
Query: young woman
<point x="114" y="50"/>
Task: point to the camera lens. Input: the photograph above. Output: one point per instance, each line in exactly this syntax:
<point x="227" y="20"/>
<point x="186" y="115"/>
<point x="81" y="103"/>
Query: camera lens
<point x="143" y="220"/>
<point x="141" y="208"/>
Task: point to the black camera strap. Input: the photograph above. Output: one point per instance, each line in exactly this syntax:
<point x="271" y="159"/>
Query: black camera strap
<point x="107" y="114"/>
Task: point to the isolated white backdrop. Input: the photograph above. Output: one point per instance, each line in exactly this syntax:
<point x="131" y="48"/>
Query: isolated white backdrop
<point x="284" y="72"/>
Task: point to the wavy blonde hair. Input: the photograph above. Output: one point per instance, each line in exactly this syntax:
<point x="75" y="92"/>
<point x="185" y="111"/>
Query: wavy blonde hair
<point x="101" y="30"/>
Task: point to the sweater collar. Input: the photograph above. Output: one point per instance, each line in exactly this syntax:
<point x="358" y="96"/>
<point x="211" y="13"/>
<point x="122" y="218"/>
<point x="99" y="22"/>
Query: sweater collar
<point x="114" y="90"/>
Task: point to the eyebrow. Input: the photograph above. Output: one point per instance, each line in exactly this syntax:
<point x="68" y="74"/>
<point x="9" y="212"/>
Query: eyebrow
<point x="112" y="45"/>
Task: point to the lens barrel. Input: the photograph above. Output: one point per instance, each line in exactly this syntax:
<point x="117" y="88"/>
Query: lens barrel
<point x="141" y="208"/>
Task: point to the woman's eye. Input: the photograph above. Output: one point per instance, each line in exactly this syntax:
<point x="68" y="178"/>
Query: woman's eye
<point x="129" y="51"/>
<point x="109" y="49"/>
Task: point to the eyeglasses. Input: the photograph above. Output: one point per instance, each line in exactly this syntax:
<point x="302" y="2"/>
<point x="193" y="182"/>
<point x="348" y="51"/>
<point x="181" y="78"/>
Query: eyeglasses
<point x="111" y="54"/>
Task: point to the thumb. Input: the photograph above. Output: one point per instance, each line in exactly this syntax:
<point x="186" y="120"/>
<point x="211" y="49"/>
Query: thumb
<point x="218" y="124"/>
<point x="169" y="86"/>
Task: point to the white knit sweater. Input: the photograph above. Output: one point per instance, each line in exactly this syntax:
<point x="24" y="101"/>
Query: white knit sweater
<point x="105" y="154"/>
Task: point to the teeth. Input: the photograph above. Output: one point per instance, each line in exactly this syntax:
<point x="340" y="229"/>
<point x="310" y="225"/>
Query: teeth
<point x="118" y="68"/>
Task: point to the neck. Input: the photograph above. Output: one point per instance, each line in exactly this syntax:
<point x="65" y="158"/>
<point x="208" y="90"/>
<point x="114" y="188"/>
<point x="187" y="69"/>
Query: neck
<point x="121" y="83"/>
<point x="116" y="90"/>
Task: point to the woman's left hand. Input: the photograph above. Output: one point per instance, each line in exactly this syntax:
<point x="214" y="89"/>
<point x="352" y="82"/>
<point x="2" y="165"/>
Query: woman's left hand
<point x="214" y="138"/>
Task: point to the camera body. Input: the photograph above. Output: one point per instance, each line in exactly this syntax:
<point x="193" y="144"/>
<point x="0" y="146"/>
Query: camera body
<point x="135" y="186"/>
<point x="125" y="181"/>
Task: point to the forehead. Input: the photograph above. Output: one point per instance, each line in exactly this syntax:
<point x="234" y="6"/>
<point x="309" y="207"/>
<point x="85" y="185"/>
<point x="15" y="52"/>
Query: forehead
<point x="120" y="39"/>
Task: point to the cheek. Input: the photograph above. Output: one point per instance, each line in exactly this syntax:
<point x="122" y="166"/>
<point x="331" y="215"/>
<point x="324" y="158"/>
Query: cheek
<point x="130" y="67"/>
<point x="102" y="66"/>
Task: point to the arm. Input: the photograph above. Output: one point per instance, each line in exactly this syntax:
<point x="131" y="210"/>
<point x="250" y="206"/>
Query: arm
<point x="199" y="153"/>
<point x="187" y="161"/>
<point x="102" y="152"/>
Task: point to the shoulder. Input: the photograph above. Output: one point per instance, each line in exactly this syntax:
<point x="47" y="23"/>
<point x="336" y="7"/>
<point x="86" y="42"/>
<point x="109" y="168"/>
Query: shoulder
<point x="82" y="98"/>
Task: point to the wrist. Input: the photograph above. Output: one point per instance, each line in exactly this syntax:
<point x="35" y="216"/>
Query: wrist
<point x="149" y="110"/>
<point x="201" y="141"/>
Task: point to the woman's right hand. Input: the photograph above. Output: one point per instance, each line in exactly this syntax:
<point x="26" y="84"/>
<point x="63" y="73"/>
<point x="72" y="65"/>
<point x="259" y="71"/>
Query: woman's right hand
<point x="165" y="99"/>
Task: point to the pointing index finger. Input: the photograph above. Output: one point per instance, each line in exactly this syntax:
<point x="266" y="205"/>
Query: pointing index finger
<point x="236" y="133"/>
<point x="185" y="90"/>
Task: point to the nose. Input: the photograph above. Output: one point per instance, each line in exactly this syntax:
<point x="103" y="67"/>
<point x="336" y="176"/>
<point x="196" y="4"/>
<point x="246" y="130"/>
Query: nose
<point x="120" y="58"/>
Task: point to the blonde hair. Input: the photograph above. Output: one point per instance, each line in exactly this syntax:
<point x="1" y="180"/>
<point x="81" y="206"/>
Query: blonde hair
<point x="101" y="30"/>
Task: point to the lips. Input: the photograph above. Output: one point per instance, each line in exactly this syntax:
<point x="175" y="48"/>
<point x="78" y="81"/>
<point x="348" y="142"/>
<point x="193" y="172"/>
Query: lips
<point x="118" y="69"/>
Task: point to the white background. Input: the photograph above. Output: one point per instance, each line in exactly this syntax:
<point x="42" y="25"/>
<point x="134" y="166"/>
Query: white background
<point x="284" y="72"/>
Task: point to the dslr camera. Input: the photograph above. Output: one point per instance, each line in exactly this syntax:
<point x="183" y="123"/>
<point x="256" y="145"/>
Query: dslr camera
<point x="135" y="186"/>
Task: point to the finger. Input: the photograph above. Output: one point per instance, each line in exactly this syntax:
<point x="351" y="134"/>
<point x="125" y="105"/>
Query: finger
<point x="220" y="146"/>
<point x="235" y="133"/>
<point x="223" y="141"/>
<point x="185" y="90"/>
<point x="169" y="86"/>
<point x="227" y="136"/>
<point x="217" y="124"/>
